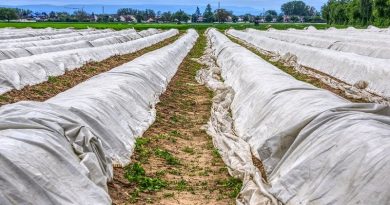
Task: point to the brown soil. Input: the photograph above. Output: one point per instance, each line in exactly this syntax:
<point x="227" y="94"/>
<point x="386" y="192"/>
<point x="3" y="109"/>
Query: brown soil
<point x="200" y="177"/>
<point x="55" y="85"/>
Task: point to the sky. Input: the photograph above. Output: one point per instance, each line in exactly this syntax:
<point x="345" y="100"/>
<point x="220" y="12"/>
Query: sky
<point x="257" y="4"/>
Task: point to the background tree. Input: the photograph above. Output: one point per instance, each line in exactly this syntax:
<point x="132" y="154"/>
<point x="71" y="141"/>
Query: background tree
<point x="208" y="15"/>
<point x="246" y="18"/>
<point x="271" y="13"/>
<point x="235" y="19"/>
<point x="365" y="11"/>
<point x="268" y="18"/>
<point x="381" y="12"/>
<point x="296" y="8"/>
<point x="8" y="14"/>
<point x="196" y="15"/>
<point x="180" y="16"/>
<point x="357" y="12"/>
<point x="222" y="15"/>
<point x="81" y="16"/>
<point x="166" y="16"/>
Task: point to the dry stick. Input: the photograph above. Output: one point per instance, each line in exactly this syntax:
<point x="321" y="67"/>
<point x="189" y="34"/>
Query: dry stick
<point x="58" y="84"/>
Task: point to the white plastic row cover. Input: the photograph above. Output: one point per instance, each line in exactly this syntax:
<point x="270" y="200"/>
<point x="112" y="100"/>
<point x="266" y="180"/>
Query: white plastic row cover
<point x="347" y="67"/>
<point x="58" y="35"/>
<point x="376" y="48"/>
<point x="25" y="33"/>
<point x="49" y="42"/>
<point x="316" y="147"/>
<point x="101" y="40"/>
<point x="60" y="151"/>
<point x="19" y="72"/>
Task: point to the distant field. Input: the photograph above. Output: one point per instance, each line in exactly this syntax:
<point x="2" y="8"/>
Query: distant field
<point x="201" y="26"/>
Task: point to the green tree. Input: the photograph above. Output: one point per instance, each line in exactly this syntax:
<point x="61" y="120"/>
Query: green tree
<point x="166" y="16"/>
<point x="208" y="15"/>
<point x="222" y="15"/>
<point x="8" y="14"/>
<point x="271" y="13"/>
<point x="181" y="16"/>
<point x="365" y="11"/>
<point x="268" y="18"/>
<point x="196" y="15"/>
<point x="246" y="18"/>
<point x="81" y="16"/>
<point x="381" y="12"/>
<point x="297" y="8"/>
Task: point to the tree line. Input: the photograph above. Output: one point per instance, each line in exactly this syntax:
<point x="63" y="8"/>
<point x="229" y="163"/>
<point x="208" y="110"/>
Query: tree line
<point x="293" y="11"/>
<point x="9" y="14"/>
<point x="357" y="12"/>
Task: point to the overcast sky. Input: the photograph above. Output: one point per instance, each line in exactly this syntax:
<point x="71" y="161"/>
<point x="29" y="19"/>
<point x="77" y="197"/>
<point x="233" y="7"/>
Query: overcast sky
<point x="243" y="3"/>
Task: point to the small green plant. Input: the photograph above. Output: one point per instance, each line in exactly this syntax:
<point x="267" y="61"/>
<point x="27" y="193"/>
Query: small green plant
<point x="143" y="153"/>
<point x="2" y="97"/>
<point x="175" y="133"/>
<point x="169" y="158"/>
<point x="161" y="136"/>
<point x="91" y="69"/>
<point x="181" y="185"/>
<point x="216" y="153"/>
<point x="136" y="174"/>
<point x="134" y="196"/>
<point x="188" y="150"/>
<point x="233" y="184"/>
<point x="174" y="172"/>
<point x="52" y="79"/>
<point x="174" y="119"/>
<point x="169" y="195"/>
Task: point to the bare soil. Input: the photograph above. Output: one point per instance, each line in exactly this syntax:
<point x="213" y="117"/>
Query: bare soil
<point x="200" y="176"/>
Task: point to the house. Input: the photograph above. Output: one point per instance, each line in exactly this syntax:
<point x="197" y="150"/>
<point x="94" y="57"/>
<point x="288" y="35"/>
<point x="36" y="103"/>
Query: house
<point x="127" y="18"/>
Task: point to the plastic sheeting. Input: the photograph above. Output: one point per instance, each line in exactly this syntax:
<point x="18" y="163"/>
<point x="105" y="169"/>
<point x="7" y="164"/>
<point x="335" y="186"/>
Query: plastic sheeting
<point x="347" y="67"/>
<point x="35" y="33"/>
<point x="58" y="151"/>
<point x="113" y="39"/>
<point x="344" y="45"/>
<point x="19" y="72"/>
<point x="58" y="35"/>
<point x="50" y="42"/>
<point x="338" y="36"/>
<point x="316" y="147"/>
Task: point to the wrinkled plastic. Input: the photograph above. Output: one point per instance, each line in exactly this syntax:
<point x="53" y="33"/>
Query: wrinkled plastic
<point x="347" y="67"/>
<point x="19" y="72"/>
<point x="114" y="38"/>
<point x="51" y="42"/>
<point x="344" y="44"/>
<point x="316" y="147"/>
<point x="60" y="151"/>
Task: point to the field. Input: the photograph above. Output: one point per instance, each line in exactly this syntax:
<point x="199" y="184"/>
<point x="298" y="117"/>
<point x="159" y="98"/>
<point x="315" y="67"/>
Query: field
<point x="181" y="114"/>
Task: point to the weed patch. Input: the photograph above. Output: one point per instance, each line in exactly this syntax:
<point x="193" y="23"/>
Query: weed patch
<point x="169" y="158"/>
<point x="136" y="174"/>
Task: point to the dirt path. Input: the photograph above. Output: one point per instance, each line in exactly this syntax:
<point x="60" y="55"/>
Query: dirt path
<point x="55" y="85"/>
<point x="181" y="164"/>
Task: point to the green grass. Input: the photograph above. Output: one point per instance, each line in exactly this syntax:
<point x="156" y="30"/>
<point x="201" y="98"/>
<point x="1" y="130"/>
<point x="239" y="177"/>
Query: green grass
<point x="142" y="26"/>
<point x="169" y="158"/>
<point x="136" y="174"/>
<point x="233" y="184"/>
